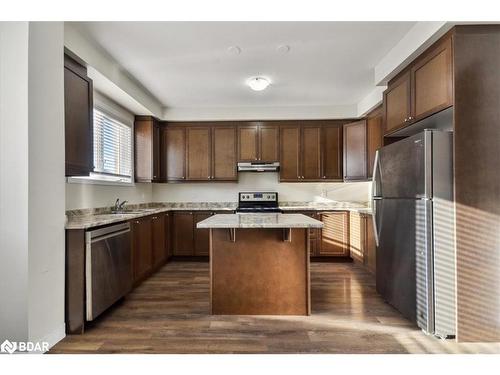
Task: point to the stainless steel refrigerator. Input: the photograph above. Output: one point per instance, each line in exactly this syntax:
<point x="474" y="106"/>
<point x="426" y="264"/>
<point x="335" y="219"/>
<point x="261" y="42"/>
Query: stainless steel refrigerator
<point x="414" y="229"/>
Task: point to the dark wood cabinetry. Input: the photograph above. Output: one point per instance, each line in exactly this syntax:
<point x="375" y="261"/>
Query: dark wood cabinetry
<point x="258" y="142"/>
<point x="201" y="245"/>
<point x="182" y="233"/>
<point x="362" y="248"/>
<point x="355" y="161"/>
<point x="310" y="151"/>
<point x="147" y="144"/>
<point x="199" y="153"/>
<point x="78" y="119"/>
<point x="174" y="154"/>
<point x="332" y="150"/>
<point x="374" y="137"/>
<point x="397" y="103"/>
<point x="142" y="247"/>
<point x="424" y="88"/>
<point x="334" y="239"/>
<point x="224" y="146"/>
<point x="160" y="239"/>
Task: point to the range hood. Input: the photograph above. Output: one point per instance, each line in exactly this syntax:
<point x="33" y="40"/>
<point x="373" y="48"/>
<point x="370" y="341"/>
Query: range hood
<point x="259" y="167"/>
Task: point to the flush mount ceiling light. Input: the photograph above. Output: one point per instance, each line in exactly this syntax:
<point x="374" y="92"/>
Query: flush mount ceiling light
<point x="258" y="83"/>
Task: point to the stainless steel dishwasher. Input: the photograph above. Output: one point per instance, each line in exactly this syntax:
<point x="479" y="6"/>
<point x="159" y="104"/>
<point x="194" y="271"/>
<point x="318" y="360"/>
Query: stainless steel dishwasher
<point x="108" y="267"/>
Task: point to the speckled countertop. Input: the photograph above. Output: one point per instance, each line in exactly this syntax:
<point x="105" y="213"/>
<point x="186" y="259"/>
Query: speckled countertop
<point x="93" y="217"/>
<point x="275" y="220"/>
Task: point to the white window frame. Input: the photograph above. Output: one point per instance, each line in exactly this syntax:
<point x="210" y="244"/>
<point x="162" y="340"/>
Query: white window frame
<point x="114" y="110"/>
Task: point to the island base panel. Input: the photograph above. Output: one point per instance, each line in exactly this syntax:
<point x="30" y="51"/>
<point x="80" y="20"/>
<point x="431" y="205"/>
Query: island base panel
<point x="259" y="273"/>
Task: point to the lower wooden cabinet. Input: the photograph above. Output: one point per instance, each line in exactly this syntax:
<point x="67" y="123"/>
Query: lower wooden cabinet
<point x="159" y="238"/>
<point x="142" y="247"/>
<point x="182" y="233"/>
<point x="334" y="240"/>
<point x="201" y="244"/>
<point x="362" y="247"/>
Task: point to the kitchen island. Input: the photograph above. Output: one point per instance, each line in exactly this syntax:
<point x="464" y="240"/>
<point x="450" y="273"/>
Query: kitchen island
<point x="259" y="263"/>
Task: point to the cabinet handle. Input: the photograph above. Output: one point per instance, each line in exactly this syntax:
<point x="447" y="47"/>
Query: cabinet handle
<point x="324" y="176"/>
<point x="405" y="120"/>
<point x="410" y="118"/>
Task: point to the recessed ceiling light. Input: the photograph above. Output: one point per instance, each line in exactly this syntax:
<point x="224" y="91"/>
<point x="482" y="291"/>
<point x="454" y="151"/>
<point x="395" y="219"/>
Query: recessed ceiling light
<point x="258" y="83"/>
<point x="234" y="50"/>
<point x="283" y="48"/>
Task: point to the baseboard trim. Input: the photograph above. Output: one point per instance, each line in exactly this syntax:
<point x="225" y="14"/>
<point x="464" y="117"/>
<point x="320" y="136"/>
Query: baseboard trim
<point x="53" y="337"/>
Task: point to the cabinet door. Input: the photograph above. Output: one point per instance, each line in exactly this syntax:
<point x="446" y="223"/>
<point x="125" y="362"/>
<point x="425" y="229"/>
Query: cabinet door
<point x="355" y="150"/>
<point x="201" y="236"/>
<point x="332" y="153"/>
<point x="311" y="153"/>
<point x="334" y="234"/>
<point x="374" y="137"/>
<point x="269" y="143"/>
<point x="168" y="234"/>
<point x="224" y="153"/>
<point x="356" y="236"/>
<point x="183" y="233"/>
<point x="175" y="153"/>
<point x="157" y="135"/>
<point x="248" y="136"/>
<point x="142" y="247"/>
<point x="370" y="245"/>
<point x="290" y="153"/>
<point x="159" y="240"/>
<point x="199" y="159"/>
<point x="397" y="103"/>
<point x="147" y="149"/>
<point x="433" y="81"/>
<point x="78" y="119"/>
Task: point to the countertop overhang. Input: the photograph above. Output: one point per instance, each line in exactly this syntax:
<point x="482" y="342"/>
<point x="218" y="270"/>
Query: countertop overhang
<point x="258" y="220"/>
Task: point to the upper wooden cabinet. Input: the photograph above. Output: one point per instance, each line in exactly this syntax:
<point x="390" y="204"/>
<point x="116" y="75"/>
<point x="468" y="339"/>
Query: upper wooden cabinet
<point x="424" y="88"/>
<point x="78" y="119"/>
<point x="174" y="153"/>
<point x="332" y="150"/>
<point x="199" y="153"/>
<point x="224" y="147"/>
<point x="374" y="137"/>
<point x="432" y="83"/>
<point x="310" y="151"/>
<point x="397" y="103"/>
<point x="355" y="163"/>
<point x="147" y="144"/>
<point x="258" y="142"/>
<point x="290" y="153"/>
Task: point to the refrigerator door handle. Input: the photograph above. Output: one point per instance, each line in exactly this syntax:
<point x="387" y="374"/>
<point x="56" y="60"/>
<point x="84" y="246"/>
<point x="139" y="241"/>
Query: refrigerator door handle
<point x="375" y="196"/>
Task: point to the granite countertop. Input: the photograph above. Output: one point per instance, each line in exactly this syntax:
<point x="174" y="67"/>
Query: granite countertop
<point x="274" y="220"/>
<point x="88" y="218"/>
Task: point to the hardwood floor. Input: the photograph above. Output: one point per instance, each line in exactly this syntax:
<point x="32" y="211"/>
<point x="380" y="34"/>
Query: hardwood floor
<point x="168" y="313"/>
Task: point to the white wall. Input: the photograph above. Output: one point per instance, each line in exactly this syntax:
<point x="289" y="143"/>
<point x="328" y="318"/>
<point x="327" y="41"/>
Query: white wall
<point x="228" y="192"/>
<point x="79" y="195"/>
<point x="14" y="180"/>
<point x="46" y="182"/>
<point x="31" y="182"/>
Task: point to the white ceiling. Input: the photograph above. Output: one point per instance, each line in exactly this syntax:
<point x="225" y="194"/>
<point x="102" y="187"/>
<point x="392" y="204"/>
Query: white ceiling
<point x="187" y="64"/>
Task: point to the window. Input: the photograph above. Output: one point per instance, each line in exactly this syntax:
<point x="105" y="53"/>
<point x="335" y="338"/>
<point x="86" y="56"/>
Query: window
<point x="112" y="148"/>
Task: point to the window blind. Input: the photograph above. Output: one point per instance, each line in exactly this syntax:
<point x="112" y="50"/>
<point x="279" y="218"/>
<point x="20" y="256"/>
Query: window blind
<point x="112" y="146"/>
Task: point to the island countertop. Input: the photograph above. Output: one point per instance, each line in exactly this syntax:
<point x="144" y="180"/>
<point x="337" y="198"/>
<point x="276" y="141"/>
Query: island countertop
<point x="259" y="220"/>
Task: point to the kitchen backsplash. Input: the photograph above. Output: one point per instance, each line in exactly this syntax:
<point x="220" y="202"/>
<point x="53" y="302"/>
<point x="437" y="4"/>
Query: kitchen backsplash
<point x="228" y="192"/>
<point x="91" y="195"/>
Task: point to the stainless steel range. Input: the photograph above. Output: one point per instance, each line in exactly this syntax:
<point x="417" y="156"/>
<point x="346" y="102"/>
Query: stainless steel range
<point x="258" y="202"/>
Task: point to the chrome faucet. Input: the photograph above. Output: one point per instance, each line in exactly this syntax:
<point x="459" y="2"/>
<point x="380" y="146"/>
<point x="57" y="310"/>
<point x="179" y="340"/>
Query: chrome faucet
<point x="118" y="205"/>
